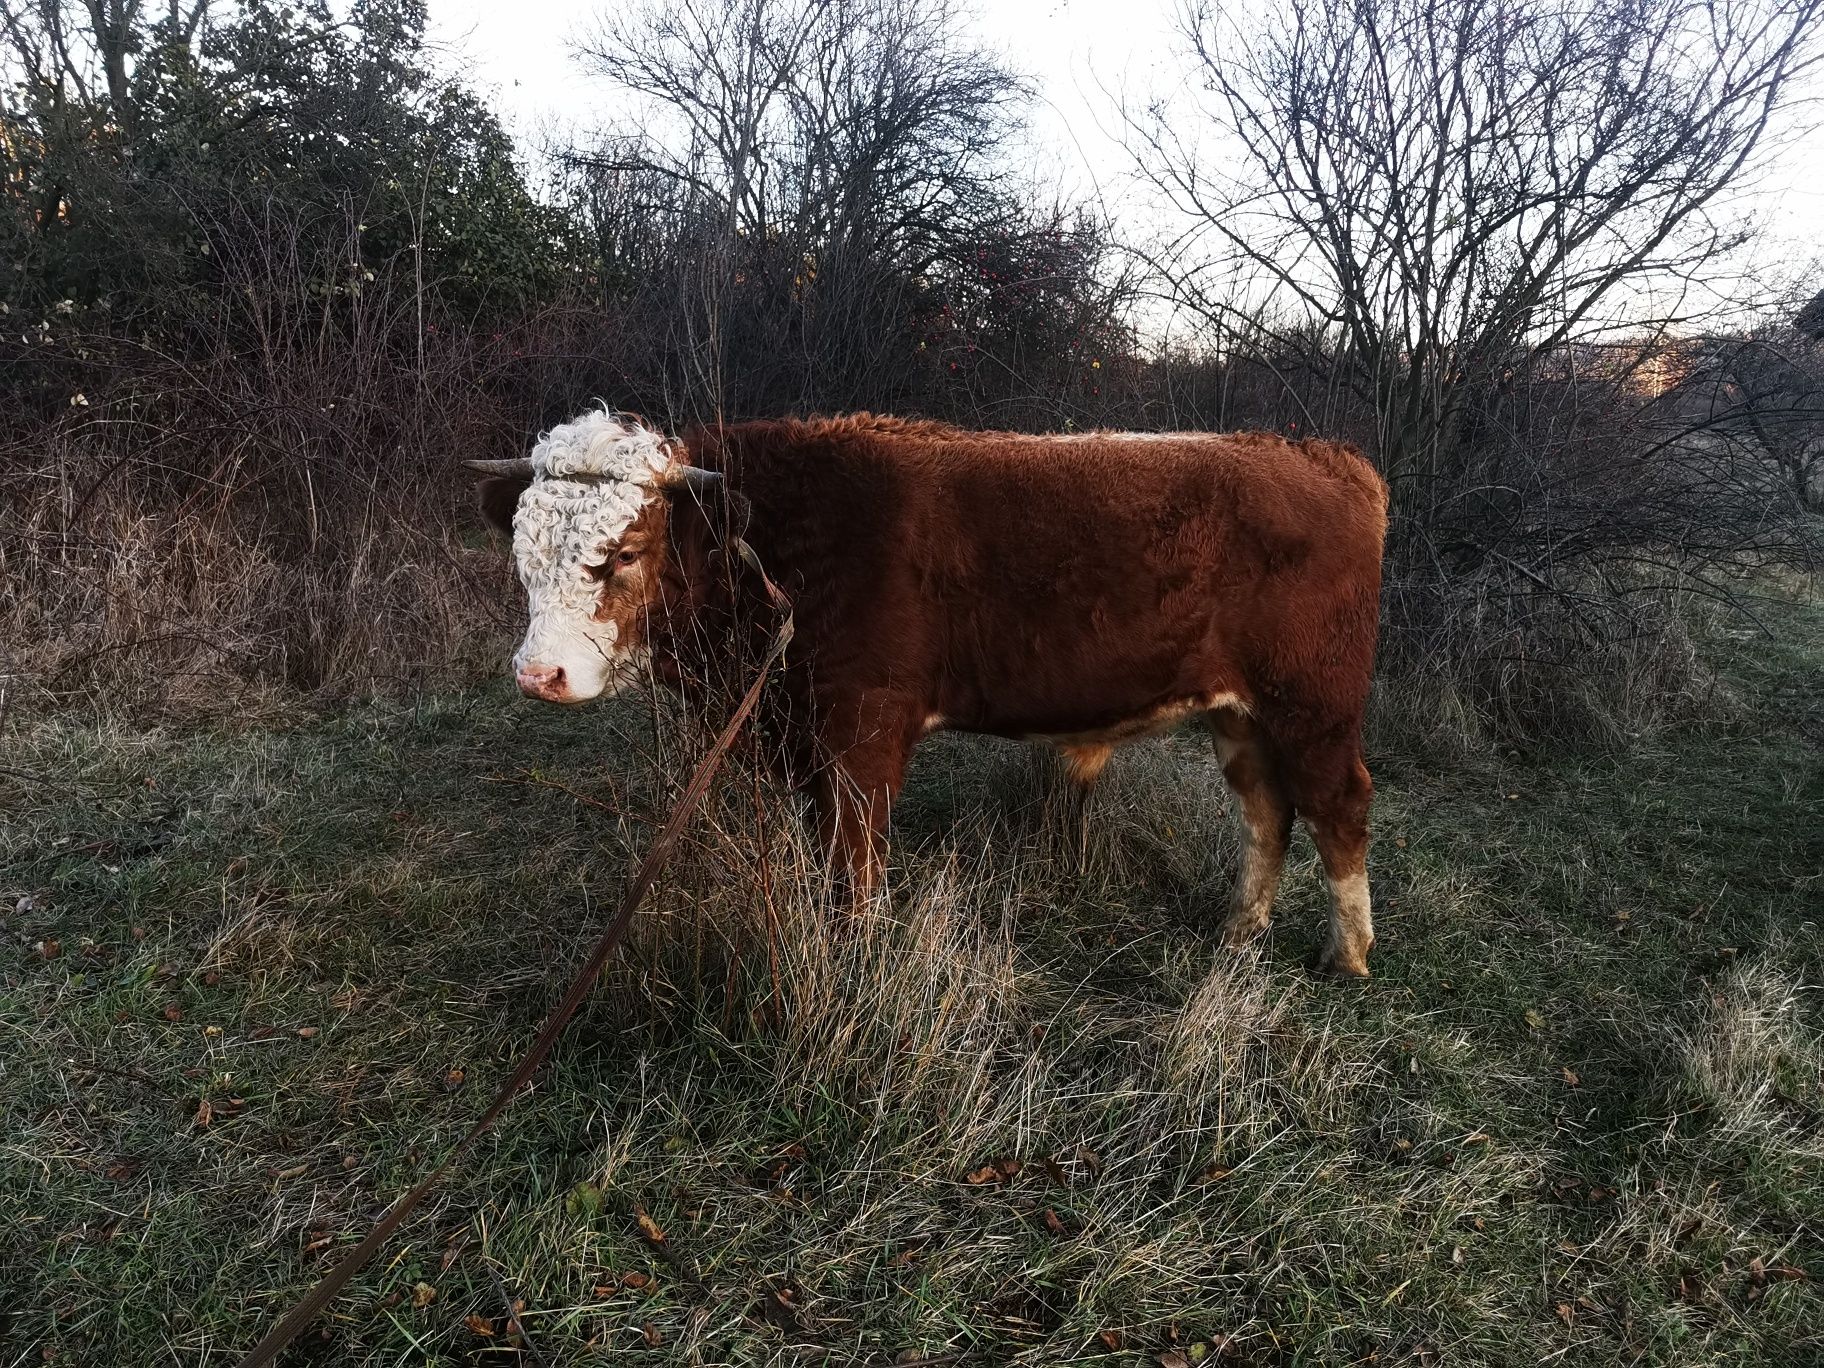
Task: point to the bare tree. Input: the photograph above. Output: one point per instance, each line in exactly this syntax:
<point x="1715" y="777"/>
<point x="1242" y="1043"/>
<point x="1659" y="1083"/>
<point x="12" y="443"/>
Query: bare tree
<point x="818" y="152"/>
<point x="1447" y="188"/>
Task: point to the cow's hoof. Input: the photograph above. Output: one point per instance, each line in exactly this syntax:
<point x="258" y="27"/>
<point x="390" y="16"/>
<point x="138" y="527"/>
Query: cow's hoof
<point x="1242" y="929"/>
<point x="1335" y="962"/>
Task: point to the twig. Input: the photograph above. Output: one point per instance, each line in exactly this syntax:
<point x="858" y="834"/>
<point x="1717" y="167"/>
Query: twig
<point x="513" y="1317"/>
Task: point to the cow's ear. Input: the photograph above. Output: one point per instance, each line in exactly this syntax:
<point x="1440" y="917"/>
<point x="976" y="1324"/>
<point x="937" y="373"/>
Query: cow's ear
<point x="499" y="497"/>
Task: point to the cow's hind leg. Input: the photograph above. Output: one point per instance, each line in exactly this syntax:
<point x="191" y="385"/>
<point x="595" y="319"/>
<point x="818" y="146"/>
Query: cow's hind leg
<point x="1266" y="823"/>
<point x="1332" y="790"/>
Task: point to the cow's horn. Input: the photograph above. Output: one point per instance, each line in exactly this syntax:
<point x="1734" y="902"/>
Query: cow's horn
<point x="699" y="481"/>
<point x="519" y="465"/>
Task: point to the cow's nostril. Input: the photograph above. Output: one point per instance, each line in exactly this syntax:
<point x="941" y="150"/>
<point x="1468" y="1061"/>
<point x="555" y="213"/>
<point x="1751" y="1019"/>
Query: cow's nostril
<point x="542" y="681"/>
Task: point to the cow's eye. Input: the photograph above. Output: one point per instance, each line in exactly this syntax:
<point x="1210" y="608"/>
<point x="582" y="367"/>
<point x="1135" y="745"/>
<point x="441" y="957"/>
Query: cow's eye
<point x="616" y="563"/>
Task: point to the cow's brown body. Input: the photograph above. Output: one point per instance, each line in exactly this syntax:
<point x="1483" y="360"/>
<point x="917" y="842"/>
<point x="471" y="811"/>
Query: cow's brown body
<point x="1083" y="590"/>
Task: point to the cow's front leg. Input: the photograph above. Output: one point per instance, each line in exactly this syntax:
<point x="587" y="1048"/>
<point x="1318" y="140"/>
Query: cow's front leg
<point x="852" y="828"/>
<point x="866" y="746"/>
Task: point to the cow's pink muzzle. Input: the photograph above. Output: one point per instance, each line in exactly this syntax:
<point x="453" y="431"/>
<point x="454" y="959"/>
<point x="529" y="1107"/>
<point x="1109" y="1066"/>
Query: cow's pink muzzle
<point x="546" y="682"/>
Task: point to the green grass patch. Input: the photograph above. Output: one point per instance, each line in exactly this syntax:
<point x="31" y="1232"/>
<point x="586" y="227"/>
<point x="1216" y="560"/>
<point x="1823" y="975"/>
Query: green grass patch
<point x="255" y="980"/>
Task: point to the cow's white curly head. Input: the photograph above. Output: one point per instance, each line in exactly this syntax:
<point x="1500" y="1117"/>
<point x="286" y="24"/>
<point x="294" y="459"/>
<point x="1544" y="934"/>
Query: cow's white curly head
<point x="589" y="573"/>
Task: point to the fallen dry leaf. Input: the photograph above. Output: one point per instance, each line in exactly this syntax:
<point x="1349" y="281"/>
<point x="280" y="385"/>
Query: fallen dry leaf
<point x="636" y="1280"/>
<point x="423" y="1295"/>
<point x="1002" y="1170"/>
<point x="1534" y="1018"/>
<point x="1571" y="1077"/>
<point x="772" y="1172"/>
<point x="778" y="1307"/>
<point x="307" y="1032"/>
<point x="479" y="1325"/>
<point x="50" y="949"/>
<point x="173" y="1012"/>
<point x="650" y="1333"/>
<point x="452" y="1080"/>
<point x="205" y="1113"/>
<point x="649" y="1228"/>
<point x="1110" y="1339"/>
<point x="1053" y="1223"/>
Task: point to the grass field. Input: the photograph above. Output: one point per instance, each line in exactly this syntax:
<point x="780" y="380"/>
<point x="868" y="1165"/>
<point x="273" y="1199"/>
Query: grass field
<point x="255" y="978"/>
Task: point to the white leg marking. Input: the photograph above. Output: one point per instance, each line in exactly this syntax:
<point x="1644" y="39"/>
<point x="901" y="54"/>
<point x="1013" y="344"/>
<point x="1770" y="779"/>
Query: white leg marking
<point x="1351" y="926"/>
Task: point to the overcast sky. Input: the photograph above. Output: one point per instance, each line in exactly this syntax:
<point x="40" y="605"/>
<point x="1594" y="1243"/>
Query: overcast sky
<point x="518" y="53"/>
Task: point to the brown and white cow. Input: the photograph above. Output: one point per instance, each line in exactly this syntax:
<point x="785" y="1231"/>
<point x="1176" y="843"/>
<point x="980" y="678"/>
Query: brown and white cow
<point x="1083" y="590"/>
